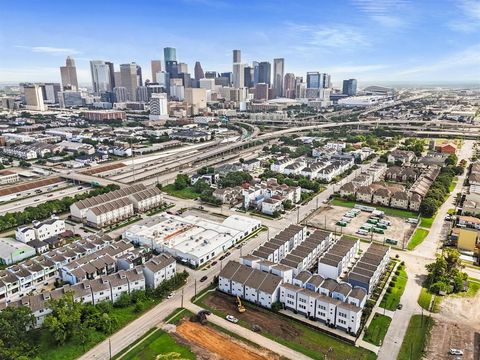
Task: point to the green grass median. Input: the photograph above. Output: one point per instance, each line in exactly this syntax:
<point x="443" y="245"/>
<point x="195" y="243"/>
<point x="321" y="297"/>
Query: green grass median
<point x="415" y="340"/>
<point x="377" y="329"/>
<point x="418" y="236"/>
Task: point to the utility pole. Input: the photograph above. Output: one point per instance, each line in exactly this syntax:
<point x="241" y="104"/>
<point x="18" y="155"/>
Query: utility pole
<point x="182" y="297"/>
<point x="110" y="348"/>
<point x="195" y="289"/>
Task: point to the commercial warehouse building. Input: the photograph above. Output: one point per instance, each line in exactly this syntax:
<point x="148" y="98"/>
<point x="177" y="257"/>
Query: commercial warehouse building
<point x="191" y="239"/>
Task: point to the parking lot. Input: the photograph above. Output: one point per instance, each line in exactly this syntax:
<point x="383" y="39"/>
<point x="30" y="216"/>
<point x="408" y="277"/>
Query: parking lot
<point x="328" y="216"/>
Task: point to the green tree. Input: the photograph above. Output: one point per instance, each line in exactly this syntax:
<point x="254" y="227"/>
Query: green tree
<point x="65" y="318"/>
<point x="24" y="164"/>
<point x="201" y="186"/>
<point x="235" y="178"/>
<point x="451" y="160"/>
<point x="181" y="181"/>
<point x="15" y="340"/>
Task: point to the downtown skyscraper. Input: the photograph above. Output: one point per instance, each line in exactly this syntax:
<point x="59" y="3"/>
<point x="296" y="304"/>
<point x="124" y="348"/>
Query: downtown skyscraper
<point x="101" y="76"/>
<point x="278" y="73"/>
<point x="264" y="72"/>
<point x="68" y="74"/>
<point x="198" y="71"/>
<point x="238" y="72"/>
<point x="129" y="78"/>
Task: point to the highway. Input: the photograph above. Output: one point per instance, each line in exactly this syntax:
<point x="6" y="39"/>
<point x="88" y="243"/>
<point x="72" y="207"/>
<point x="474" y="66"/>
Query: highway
<point x="177" y="162"/>
<point x="19" y="205"/>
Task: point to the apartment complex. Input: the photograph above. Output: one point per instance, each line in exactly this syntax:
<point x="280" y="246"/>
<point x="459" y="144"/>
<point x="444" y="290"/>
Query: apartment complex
<point x="115" y="206"/>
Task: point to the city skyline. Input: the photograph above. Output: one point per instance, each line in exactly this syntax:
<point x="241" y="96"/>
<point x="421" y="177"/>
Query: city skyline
<point x="365" y="39"/>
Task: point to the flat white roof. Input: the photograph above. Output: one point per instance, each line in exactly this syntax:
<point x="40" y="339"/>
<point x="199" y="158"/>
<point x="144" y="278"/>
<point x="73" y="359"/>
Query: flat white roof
<point x="8" y="246"/>
<point x="190" y="234"/>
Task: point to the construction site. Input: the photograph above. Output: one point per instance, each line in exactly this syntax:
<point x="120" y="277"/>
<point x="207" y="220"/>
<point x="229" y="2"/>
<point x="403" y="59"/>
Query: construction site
<point x="208" y="343"/>
<point x="313" y="342"/>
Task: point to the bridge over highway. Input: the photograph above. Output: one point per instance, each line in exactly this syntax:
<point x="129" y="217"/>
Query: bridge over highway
<point x="89" y="179"/>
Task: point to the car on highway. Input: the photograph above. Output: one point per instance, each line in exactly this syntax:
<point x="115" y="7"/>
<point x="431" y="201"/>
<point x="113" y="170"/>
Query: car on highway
<point x="204" y="278"/>
<point x="455" y="352"/>
<point x="231" y="318"/>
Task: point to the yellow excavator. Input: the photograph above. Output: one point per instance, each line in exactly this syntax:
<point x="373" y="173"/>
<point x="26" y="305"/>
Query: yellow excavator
<point x="240" y="307"/>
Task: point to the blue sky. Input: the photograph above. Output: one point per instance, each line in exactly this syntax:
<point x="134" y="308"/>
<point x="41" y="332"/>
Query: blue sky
<point x="372" y="40"/>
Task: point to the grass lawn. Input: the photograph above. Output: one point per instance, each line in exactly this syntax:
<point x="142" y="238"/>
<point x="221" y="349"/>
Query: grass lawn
<point x="386" y="210"/>
<point x="186" y="193"/>
<point x="452" y="185"/>
<point x="473" y="287"/>
<point x="377" y="329"/>
<point x="415" y="339"/>
<point x="425" y="299"/>
<point x="427" y="222"/>
<point x="158" y="343"/>
<point x="391" y="300"/>
<point x="418" y="236"/>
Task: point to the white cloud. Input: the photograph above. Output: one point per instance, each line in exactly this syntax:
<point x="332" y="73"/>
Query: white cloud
<point x="330" y="36"/>
<point x="470" y="20"/>
<point x="384" y="12"/>
<point x="355" y="69"/>
<point x="467" y="57"/>
<point x="49" y="50"/>
<point x="471" y="8"/>
<point x="30" y="73"/>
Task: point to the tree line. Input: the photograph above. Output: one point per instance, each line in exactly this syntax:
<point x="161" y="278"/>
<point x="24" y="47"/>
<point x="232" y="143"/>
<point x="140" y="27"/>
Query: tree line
<point x="45" y="210"/>
<point x="440" y="188"/>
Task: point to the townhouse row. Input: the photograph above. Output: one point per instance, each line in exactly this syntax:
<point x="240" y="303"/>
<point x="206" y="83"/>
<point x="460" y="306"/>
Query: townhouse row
<point x="324" y="169"/>
<point x="36" y="273"/>
<point x="106" y="288"/>
<point x="115" y="206"/>
<point x="326" y="300"/>
<point x="368" y="269"/>
<point x="336" y="304"/>
<point x="336" y="260"/>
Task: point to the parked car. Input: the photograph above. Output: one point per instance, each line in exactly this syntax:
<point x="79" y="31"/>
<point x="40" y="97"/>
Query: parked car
<point x="399" y="306"/>
<point x="214" y="263"/>
<point x="171" y="295"/>
<point x="231" y="318"/>
<point x="456" y="352"/>
<point x="204" y="278"/>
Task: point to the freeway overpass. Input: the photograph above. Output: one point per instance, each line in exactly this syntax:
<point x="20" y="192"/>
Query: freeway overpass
<point x="89" y="179"/>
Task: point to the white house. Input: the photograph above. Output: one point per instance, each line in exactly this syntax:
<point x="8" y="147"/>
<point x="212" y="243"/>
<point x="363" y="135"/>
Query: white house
<point x="158" y="270"/>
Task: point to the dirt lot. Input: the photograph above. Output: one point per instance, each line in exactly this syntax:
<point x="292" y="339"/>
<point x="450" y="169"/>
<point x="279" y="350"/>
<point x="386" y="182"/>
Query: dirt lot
<point x="277" y="326"/>
<point x="399" y="230"/>
<point x="274" y="325"/>
<point x="219" y="345"/>
<point x="456" y="326"/>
